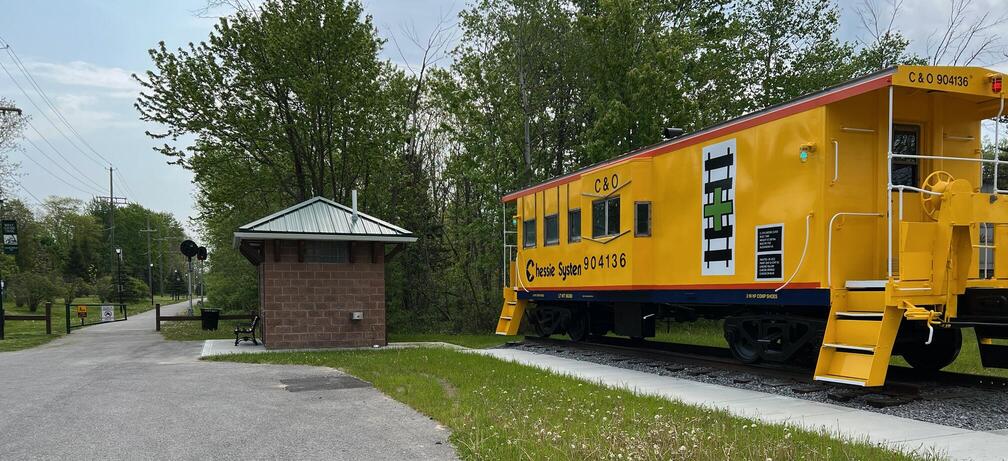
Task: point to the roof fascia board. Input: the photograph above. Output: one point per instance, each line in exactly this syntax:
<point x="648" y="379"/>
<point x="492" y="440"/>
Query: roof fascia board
<point x="238" y="236"/>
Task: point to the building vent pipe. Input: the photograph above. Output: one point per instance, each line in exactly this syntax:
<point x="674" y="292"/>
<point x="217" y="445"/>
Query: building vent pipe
<point x="353" y="199"/>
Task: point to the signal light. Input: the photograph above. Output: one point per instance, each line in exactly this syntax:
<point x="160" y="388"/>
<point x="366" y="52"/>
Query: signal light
<point x="996" y="84"/>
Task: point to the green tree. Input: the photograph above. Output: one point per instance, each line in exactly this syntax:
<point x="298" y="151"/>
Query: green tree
<point x="33" y="288"/>
<point x="284" y="102"/>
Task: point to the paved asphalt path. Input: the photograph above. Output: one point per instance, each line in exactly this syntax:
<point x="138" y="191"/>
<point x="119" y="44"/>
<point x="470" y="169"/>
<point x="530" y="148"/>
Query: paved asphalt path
<point x="119" y="391"/>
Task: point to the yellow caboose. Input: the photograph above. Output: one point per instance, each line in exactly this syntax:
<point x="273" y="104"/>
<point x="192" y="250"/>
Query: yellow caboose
<point x="846" y="226"/>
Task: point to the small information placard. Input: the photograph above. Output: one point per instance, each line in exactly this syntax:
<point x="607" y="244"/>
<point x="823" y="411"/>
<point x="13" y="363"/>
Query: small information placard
<point x="107" y="313"/>
<point x="770" y="252"/>
<point x="10" y="240"/>
<point x="82" y="311"/>
<point x="768" y="238"/>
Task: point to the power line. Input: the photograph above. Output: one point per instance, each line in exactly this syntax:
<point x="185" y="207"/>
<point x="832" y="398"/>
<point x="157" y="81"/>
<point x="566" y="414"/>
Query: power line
<point x="68" y="172"/>
<point x="122" y="180"/>
<point x="37" y="200"/>
<point x="46" y="99"/>
<point x="81" y="175"/>
<point x="50" y="172"/>
<point x="41" y="111"/>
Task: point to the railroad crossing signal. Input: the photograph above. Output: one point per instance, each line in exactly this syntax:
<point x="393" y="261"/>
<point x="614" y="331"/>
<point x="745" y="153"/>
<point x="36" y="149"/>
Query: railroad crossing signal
<point x="10" y="240"/>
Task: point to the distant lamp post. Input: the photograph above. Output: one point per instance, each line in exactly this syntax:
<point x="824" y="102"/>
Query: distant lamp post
<point x="119" y="274"/>
<point x="150" y="274"/>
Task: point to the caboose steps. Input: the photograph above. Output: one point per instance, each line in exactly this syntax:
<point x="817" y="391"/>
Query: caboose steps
<point x="511" y="313"/>
<point x="859" y="339"/>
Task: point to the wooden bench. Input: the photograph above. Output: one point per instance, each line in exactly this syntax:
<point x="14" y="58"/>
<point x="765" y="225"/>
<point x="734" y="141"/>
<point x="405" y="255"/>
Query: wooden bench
<point x="246" y="331"/>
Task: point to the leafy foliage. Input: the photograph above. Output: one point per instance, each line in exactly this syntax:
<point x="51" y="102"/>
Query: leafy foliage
<point x="289" y="100"/>
<point x="32" y="288"/>
<point x="132" y="289"/>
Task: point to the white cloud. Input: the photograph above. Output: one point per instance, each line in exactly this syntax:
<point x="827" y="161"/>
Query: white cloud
<point x="80" y="73"/>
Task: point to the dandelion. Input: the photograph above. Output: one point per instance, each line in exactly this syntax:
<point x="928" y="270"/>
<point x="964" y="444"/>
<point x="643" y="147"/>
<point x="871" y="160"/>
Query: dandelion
<point x="682" y="448"/>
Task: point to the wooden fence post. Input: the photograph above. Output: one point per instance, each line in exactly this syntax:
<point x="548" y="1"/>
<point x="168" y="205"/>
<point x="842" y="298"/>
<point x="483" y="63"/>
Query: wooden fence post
<point x="157" y="317"/>
<point x="48" y="318"/>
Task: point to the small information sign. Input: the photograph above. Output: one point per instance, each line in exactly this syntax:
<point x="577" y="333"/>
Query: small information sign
<point x="770" y="252"/>
<point x="10" y="240"/>
<point x="107" y="313"/>
<point x="82" y="311"/>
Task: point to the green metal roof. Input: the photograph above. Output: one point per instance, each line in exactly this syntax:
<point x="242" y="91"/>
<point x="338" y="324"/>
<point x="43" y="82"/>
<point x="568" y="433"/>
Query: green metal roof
<point x="322" y="219"/>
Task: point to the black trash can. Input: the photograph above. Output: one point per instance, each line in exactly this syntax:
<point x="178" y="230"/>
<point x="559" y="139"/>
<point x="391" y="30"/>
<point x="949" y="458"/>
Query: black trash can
<point x="210" y="318"/>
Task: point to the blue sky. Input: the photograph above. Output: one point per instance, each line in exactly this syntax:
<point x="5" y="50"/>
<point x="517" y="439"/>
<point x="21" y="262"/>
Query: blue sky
<point x="82" y="53"/>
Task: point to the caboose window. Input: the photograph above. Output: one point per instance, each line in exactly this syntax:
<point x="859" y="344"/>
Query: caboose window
<point x="906" y="141"/>
<point x="605" y="217"/>
<point x="551" y="229"/>
<point x="642" y="219"/>
<point x="574" y="226"/>
<point x="529" y="233"/>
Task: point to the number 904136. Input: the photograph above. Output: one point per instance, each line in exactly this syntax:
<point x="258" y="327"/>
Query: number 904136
<point x="605" y="261"/>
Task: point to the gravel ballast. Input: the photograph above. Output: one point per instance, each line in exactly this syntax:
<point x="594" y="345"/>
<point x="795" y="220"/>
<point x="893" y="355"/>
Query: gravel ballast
<point x="974" y="408"/>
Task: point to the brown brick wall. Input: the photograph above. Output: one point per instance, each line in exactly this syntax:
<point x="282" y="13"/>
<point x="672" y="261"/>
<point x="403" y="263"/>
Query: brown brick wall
<point x="306" y="305"/>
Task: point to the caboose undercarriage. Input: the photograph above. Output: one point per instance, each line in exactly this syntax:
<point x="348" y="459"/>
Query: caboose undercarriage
<point x="783" y="334"/>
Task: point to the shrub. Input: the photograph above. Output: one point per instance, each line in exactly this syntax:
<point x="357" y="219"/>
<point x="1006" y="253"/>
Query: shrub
<point x="132" y="289"/>
<point x="32" y="288"/>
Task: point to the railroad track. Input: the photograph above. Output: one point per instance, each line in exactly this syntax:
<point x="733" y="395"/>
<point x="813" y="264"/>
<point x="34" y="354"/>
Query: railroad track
<point x="904" y="385"/>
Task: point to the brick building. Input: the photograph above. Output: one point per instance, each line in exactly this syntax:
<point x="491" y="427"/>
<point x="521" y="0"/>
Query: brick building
<point x="321" y="274"/>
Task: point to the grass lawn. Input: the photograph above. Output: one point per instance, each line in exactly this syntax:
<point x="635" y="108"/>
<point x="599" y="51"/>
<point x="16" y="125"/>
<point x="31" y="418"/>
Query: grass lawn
<point x="501" y="410"/>
<point x="30" y="333"/>
<point x="192" y="330"/>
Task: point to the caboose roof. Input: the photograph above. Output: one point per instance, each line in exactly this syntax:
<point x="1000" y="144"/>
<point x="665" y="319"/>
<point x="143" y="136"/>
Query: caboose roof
<point x="907" y="76"/>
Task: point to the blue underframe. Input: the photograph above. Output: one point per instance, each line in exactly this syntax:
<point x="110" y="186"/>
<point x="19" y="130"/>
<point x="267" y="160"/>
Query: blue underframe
<point x="786" y="297"/>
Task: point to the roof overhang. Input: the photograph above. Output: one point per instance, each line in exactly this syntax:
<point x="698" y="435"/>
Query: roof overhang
<point x="244" y="235"/>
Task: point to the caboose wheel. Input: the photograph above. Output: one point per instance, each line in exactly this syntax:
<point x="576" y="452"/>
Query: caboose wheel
<point x="543" y="322"/>
<point x="942" y="351"/>
<point x="741" y="343"/>
<point x="578" y="325"/>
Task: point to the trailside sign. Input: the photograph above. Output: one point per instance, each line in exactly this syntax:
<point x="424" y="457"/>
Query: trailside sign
<point x="10" y="241"/>
<point x="107" y="313"/>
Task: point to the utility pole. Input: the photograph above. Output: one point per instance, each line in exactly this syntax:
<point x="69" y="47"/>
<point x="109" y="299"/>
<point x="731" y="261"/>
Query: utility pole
<point x="163" y="241"/>
<point x="160" y="268"/>
<point x="150" y="265"/>
<point x="2" y="284"/>
<point x="113" y="202"/>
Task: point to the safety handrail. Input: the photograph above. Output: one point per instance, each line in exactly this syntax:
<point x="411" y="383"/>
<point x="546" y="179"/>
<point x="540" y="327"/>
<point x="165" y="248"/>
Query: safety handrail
<point x="836" y="160"/>
<point x="808" y="218"/>
<point x="829" y="241"/>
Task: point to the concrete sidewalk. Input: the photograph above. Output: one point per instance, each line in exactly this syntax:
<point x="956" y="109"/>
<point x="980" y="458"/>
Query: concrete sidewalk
<point x="214" y="347"/>
<point x="878" y="428"/>
<point x="120" y="391"/>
